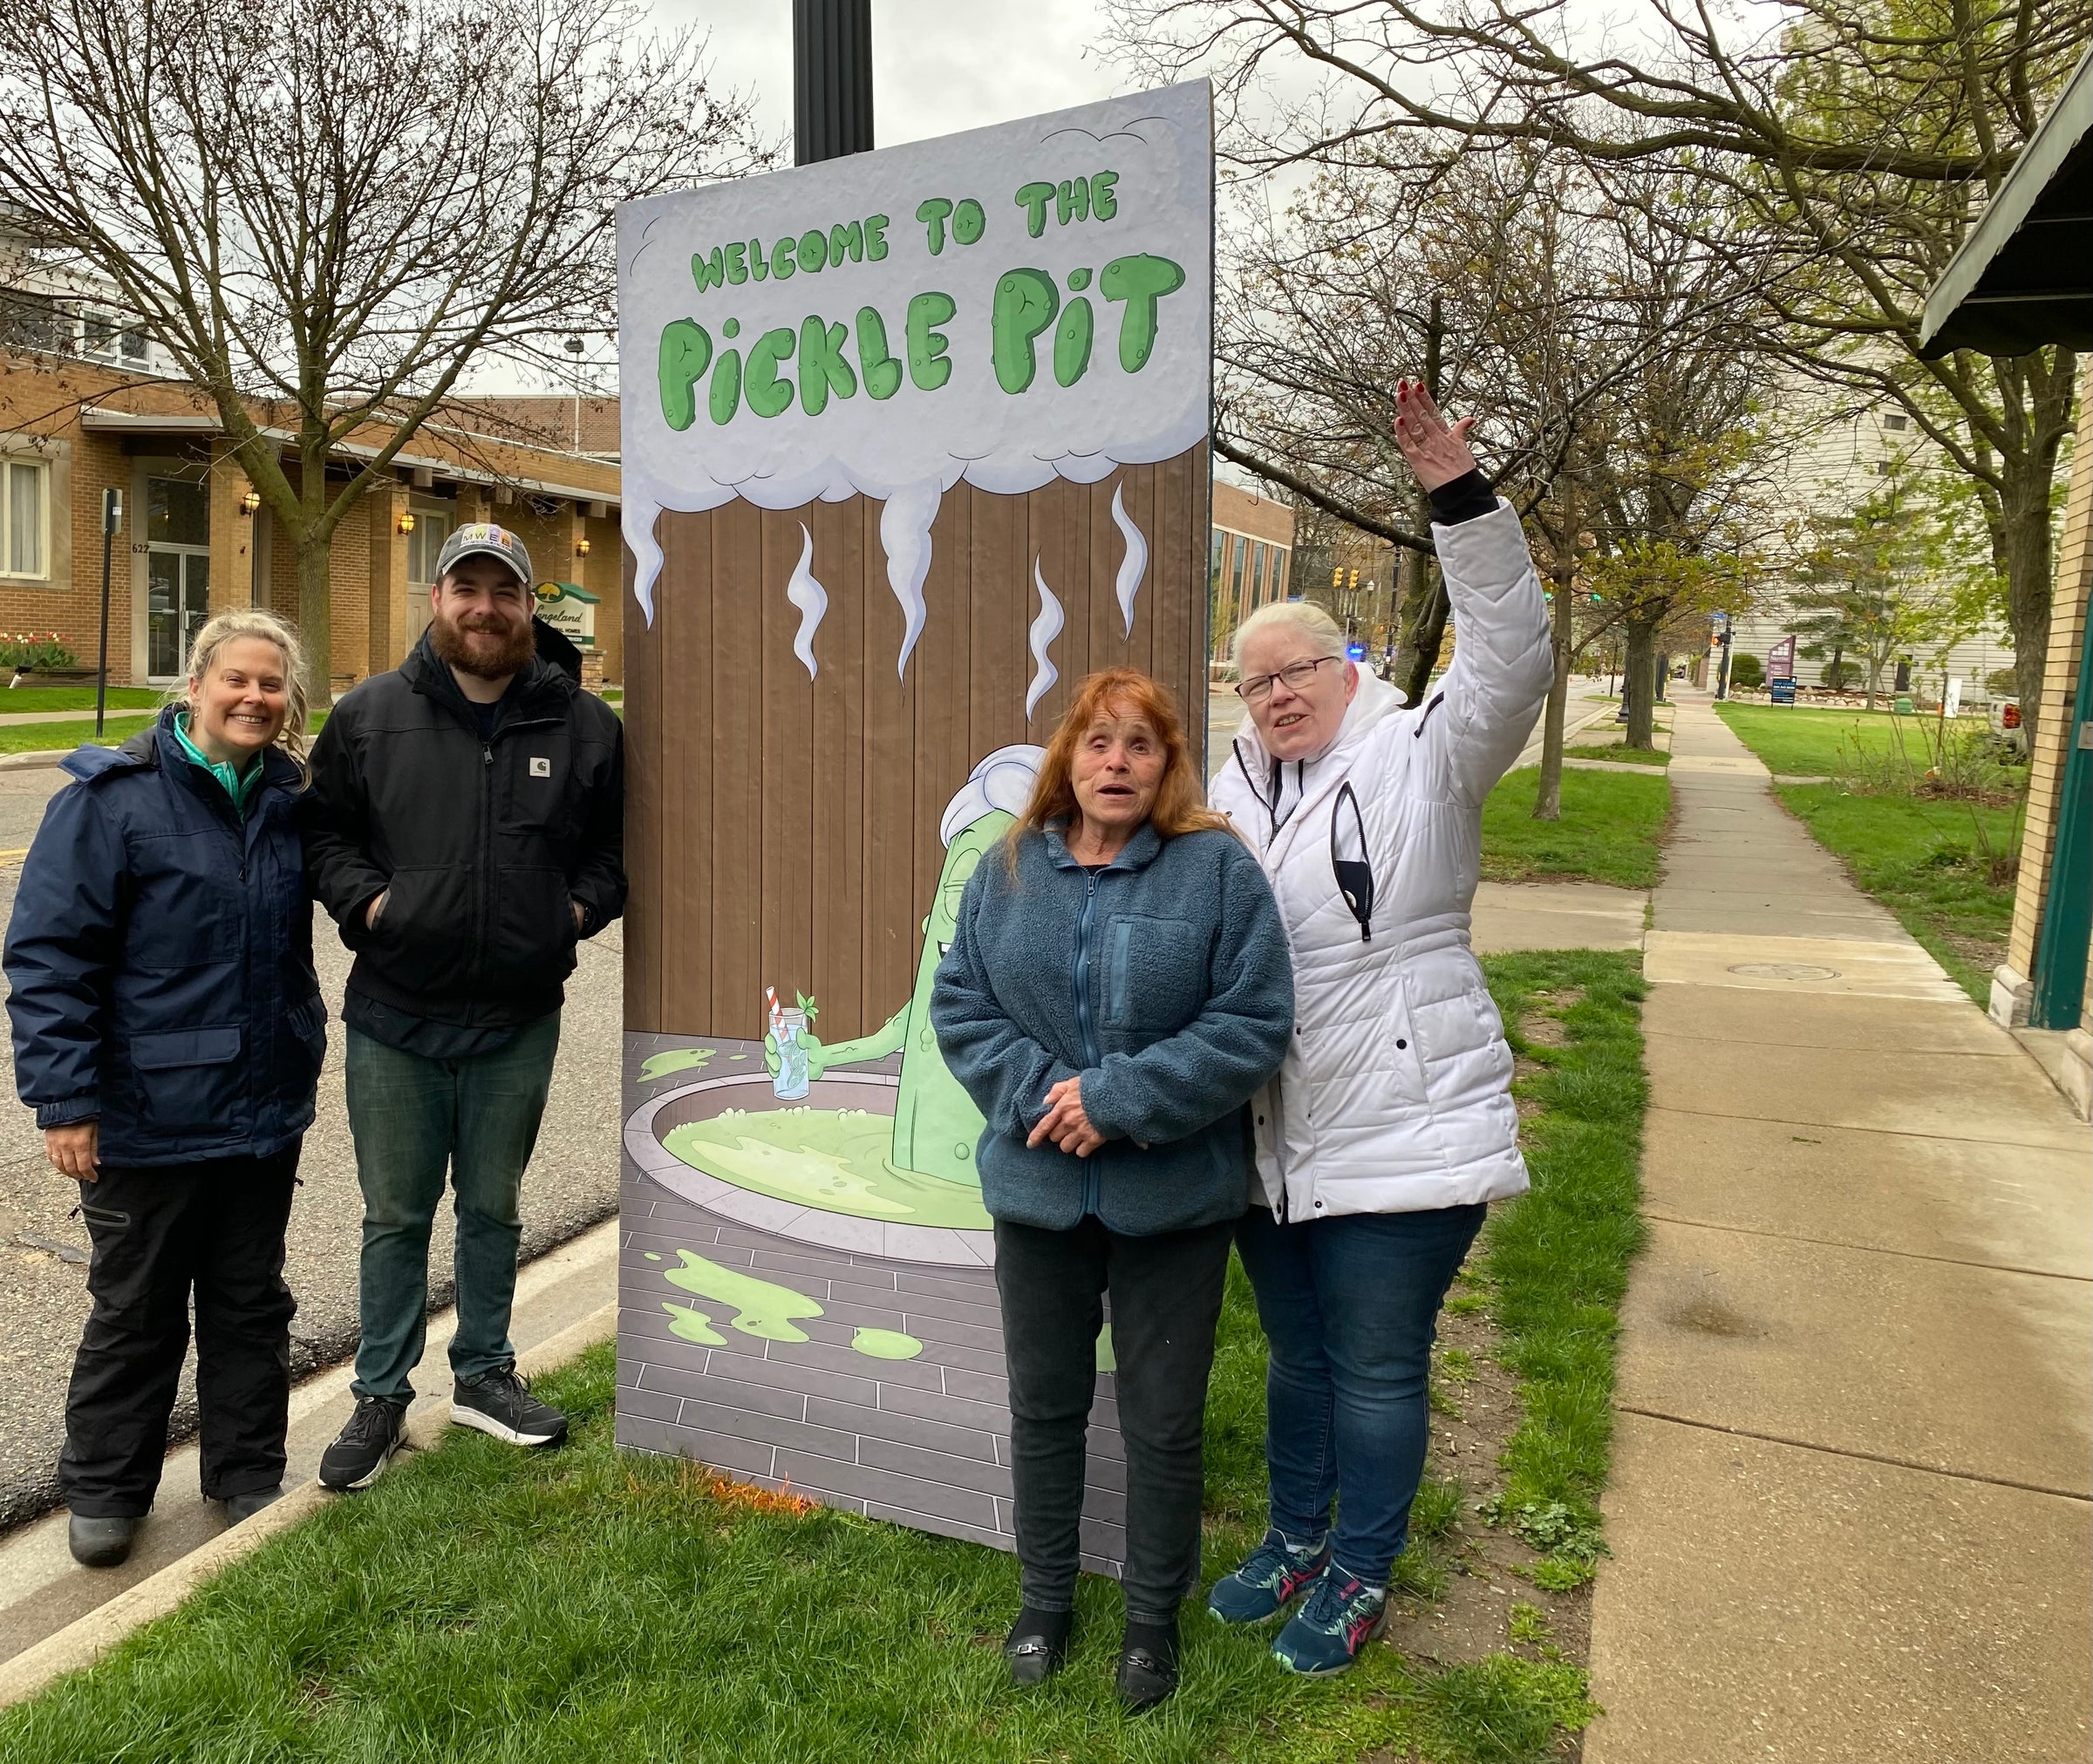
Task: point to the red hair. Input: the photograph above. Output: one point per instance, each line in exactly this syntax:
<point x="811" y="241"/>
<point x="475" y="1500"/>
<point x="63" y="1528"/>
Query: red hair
<point x="1179" y="806"/>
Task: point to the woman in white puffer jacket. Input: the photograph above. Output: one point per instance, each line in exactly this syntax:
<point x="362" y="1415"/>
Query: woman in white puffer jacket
<point x="1391" y="1125"/>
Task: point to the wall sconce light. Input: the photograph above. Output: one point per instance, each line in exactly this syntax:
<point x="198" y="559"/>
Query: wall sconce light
<point x="249" y="502"/>
<point x="581" y="547"/>
<point x="407" y="521"/>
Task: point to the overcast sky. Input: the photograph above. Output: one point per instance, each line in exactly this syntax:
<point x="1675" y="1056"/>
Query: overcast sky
<point x="938" y="65"/>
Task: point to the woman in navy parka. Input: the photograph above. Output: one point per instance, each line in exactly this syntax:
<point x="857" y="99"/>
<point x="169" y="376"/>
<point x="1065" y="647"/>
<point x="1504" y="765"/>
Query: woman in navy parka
<point x="168" y="1031"/>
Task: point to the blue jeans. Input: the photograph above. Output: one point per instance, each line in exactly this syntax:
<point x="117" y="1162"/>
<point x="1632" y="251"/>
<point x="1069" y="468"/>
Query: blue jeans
<point x="412" y="1118"/>
<point x="1349" y="1307"/>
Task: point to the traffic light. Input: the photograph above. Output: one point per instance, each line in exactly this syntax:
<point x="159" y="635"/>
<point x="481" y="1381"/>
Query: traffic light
<point x="1355" y="581"/>
<point x="1337" y="579"/>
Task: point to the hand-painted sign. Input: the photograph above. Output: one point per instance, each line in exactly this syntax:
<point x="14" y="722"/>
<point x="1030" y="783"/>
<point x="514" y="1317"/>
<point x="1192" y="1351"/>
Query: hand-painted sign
<point x="913" y="441"/>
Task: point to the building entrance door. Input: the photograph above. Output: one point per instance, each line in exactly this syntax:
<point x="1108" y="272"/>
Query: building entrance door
<point x="178" y="572"/>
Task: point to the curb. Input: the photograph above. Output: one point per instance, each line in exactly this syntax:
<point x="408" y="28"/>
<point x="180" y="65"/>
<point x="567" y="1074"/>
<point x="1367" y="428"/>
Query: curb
<point x="80" y="1644"/>
<point x="34" y="762"/>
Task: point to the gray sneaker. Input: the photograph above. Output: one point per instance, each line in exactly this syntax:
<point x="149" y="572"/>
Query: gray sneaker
<point x="362" y="1449"/>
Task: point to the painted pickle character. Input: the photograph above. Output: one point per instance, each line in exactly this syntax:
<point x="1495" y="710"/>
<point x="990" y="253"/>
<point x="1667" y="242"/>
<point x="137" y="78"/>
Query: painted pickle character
<point x="936" y="1124"/>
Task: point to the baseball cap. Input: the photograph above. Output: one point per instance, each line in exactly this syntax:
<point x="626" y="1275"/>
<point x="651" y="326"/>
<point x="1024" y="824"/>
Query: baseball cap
<point x="483" y="538"/>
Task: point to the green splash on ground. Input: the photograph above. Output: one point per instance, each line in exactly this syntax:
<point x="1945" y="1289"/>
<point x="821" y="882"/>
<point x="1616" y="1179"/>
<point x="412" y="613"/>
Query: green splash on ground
<point x="674" y="1059"/>
<point x="692" y="1324"/>
<point x="836" y="1160"/>
<point x="653" y="1256"/>
<point x="1107" y="1361"/>
<point x="762" y="1308"/>
<point x="885" y="1344"/>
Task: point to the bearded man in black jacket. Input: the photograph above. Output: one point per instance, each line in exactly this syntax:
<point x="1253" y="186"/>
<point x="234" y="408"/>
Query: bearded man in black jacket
<point x="465" y="827"/>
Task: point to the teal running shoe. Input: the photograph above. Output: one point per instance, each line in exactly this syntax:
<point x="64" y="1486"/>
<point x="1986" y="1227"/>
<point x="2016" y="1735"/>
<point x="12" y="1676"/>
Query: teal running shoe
<point x="1342" y="1615"/>
<point x="1266" y="1584"/>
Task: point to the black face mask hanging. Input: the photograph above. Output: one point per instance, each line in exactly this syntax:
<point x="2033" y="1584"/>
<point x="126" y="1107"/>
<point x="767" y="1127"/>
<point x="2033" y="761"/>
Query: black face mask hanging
<point x="1349" y="861"/>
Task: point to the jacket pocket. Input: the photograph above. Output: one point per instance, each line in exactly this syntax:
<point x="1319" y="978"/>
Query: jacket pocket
<point x="428" y="915"/>
<point x="535" y="783"/>
<point x="534" y="930"/>
<point x="190" y="1081"/>
<point x="1155" y="974"/>
<point x="302" y="1050"/>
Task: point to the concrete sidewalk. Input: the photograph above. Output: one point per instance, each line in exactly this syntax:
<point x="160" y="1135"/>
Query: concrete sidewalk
<point x="1849" y="1511"/>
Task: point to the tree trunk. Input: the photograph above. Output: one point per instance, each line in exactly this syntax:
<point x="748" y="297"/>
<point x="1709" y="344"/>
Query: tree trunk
<point x="314" y="541"/>
<point x="1422" y="637"/>
<point x="2030" y="558"/>
<point x="1548" y="800"/>
<point x="1636" y="683"/>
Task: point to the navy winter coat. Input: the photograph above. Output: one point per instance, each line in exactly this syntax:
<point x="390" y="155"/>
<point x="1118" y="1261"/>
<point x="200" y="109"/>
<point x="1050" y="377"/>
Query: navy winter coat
<point x="1163" y="980"/>
<point x="161" y="954"/>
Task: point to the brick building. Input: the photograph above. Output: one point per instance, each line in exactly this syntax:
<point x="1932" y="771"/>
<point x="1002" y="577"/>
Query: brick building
<point x="195" y="539"/>
<point x="1251" y="561"/>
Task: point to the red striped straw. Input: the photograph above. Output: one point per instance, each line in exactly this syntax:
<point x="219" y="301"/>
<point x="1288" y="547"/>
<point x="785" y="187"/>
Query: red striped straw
<point x="770" y="1006"/>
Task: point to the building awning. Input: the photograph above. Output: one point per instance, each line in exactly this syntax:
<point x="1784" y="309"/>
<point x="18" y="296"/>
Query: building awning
<point x="2024" y="276"/>
<point x="569" y="590"/>
<point x="98" y="418"/>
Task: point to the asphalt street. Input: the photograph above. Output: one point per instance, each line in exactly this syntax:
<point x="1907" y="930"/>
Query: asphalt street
<point x="572" y="1182"/>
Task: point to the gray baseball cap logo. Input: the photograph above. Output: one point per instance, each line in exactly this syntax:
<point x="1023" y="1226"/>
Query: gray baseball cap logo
<point x="483" y="538"/>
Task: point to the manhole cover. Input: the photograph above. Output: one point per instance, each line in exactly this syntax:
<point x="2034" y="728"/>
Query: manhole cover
<point x="1784" y="971"/>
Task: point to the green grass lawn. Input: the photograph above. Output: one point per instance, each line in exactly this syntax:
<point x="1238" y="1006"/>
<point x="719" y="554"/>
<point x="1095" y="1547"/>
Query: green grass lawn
<point x="581" y="1605"/>
<point x="1624" y="754"/>
<point x="1609" y="831"/>
<point x="43" y="699"/>
<point x="40" y="738"/>
<point x="1928" y="860"/>
<point x="1801" y="743"/>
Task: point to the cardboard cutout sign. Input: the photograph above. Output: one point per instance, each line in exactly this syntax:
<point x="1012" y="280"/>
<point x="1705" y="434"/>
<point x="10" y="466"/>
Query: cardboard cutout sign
<point x="913" y="441"/>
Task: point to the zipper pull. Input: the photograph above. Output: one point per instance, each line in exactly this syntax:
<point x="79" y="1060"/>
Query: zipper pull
<point x="487" y="754"/>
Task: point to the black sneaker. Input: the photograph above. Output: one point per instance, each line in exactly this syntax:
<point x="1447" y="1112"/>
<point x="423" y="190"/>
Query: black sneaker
<point x="501" y="1404"/>
<point x="361" y="1449"/>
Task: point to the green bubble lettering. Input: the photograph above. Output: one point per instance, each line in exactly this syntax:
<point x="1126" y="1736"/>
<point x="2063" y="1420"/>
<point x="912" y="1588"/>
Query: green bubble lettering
<point x="1103" y="202"/>
<point x="969" y="222"/>
<point x="1072" y="339"/>
<point x="1079" y="279"/>
<point x="768" y="395"/>
<point x="685" y="352"/>
<point x="758" y="264"/>
<point x="726" y="397"/>
<point x="846" y="241"/>
<point x="822" y="369"/>
<point x="931" y="212"/>
<point x="1141" y="280"/>
<point x="783" y="259"/>
<point x="707" y="272"/>
<point x="1025" y="305"/>
<point x="737" y="262"/>
<point x="876" y="237"/>
<point x="1033" y="199"/>
<point x="929" y="366"/>
<point x="882" y="372"/>
<point x="1072" y="201"/>
<point x="814" y="251"/>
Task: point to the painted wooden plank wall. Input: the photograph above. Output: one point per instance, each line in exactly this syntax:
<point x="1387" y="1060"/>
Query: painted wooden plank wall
<point x="783" y="831"/>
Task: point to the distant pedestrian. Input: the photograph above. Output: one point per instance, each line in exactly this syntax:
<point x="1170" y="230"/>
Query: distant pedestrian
<point x="1117" y="987"/>
<point x="464" y="829"/>
<point x="168" y="1031"/>
<point x="1391" y="1125"/>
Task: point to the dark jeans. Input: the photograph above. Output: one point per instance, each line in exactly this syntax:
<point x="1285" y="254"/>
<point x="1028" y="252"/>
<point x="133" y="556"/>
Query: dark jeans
<point x="216" y="1228"/>
<point x="414" y="1119"/>
<point x="1166" y="1300"/>
<point x="1350" y="1307"/>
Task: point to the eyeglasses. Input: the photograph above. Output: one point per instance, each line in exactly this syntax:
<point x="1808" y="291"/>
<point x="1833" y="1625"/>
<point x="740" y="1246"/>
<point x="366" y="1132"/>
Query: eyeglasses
<point x="1296" y="675"/>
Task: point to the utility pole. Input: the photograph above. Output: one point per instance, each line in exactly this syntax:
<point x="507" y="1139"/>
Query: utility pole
<point x="831" y="79"/>
<point x="113" y="518"/>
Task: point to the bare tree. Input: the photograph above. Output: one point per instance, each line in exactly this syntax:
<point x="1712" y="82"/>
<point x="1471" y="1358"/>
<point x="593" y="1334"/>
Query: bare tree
<point x="1851" y="141"/>
<point x="325" y="211"/>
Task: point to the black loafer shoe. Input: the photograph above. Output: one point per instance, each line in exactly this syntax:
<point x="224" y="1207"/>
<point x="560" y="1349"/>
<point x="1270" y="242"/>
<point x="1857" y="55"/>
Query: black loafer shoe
<point x="1036" y="1646"/>
<point x="240" y="1507"/>
<point x="100" y="1542"/>
<point x="1145" y="1679"/>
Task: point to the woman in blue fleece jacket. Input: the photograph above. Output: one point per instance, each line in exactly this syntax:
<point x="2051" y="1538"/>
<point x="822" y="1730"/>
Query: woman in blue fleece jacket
<point x="1117" y="987"/>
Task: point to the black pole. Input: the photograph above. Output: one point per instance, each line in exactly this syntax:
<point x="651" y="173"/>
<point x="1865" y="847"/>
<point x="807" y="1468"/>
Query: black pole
<point x="831" y="79"/>
<point x="112" y="515"/>
<point x="1723" y="665"/>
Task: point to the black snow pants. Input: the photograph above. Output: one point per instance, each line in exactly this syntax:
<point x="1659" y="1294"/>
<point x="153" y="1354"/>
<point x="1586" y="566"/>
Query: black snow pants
<point x="214" y="1228"/>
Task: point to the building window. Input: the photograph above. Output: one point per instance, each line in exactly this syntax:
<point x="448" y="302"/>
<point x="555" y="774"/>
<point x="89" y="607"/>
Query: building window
<point x="109" y="336"/>
<point x="25" y="518"/>
<point x="424" y="545"/>
<point x="1896" y="419"/>
<point x="1242" y="564"/>
<point x="1278" y="571"/>
<point x="1258" y="558"/>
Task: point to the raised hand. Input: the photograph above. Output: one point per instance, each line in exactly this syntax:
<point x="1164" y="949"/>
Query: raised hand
<point x="1437" y="451"/>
